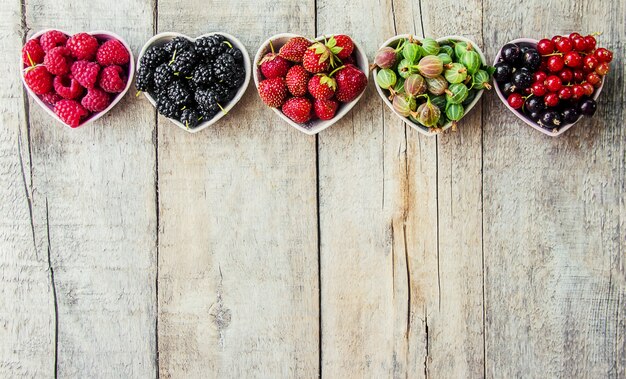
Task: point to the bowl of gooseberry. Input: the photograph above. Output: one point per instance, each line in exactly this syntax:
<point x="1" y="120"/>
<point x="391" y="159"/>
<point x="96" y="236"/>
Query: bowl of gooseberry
<point x="551" y="84"/>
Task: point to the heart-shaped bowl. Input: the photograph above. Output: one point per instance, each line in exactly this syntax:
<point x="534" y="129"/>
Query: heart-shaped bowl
<point x="523" y="117"/>
<point x="314" y="126"/>
<point x="102" y="36"/>
<point x="163" y="38"/>
<point x="420" y="128"/>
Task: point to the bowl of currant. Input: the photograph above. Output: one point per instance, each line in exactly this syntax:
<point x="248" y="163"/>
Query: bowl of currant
<point x="550" y="84"/>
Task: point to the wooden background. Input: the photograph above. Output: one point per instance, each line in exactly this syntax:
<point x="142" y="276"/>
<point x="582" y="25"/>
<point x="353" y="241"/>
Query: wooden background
<point x="132" y="249"/>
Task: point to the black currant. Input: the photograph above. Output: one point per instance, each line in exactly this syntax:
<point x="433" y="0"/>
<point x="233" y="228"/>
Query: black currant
<point x="509" y="88"/>
<point x="570" y="115"/>
<point x="550" y="119"/>
<point x="535" y="116"/>
<point x="522" y="79"/>
<point x="510" y="53"/>
<point x="588" y="107"/>
<point x="535" y="104"/>
<point x="503" y="72"/>
<point x="531" y="59"/>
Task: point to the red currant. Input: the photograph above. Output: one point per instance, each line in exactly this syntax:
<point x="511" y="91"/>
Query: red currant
<point x="539" y="76"/>
<point x="564" y="45"/>
<point x="588" y="88"/>
<point x="566" y="75"/>
<point x="602" y="69"/>
<point x="579" y="75"/>
<point x="603" y="55"/>
<point x="556" y="39"/>
<point x="574" y="35"/>
<point x="589" y="63"/>
<point x="538" y="89"/>
<point x="553" y="83"/>
<point x="593" y="78"/>
<point x="573" y="59"/>
<point x="545" y="46"/>
<point x="579" y="43"/>
<point x="590" y="43"/>
<point x="577" y="91"/>
<point x="515" y="100"/>
<point x="555" y="63"/>
<point x="565" y="93"/>
<point x="551" y="100"/>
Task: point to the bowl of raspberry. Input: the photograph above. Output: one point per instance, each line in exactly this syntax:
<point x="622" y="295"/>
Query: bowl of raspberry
<point x="76" y="78"/>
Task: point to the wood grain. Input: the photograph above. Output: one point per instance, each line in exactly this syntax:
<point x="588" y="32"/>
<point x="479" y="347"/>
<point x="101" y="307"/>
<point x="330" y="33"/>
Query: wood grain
<point x="238" y="275"/>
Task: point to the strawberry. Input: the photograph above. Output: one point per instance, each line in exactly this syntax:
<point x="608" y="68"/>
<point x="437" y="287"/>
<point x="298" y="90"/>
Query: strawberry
<point x="298" y="109"/>
<point x="350" y="83"/>
<point x="325" y="109"/>
<point x="297" y="79"/>
<point x="273" y="92"/>
<point x="294" y="49"/>
<point x="317" y="58"/>
<point x="342" y="46"/>
<point x="322" y="86"/>
<point x="274" y="66"/>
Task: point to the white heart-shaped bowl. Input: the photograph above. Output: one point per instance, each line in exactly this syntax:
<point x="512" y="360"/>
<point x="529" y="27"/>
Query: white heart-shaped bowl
<point x="101" y="35"/>
<point x="314" y="126"/>
<point x="523" y="117"/>
<point x="163" y="38"/>
<point x="420" y="128"/>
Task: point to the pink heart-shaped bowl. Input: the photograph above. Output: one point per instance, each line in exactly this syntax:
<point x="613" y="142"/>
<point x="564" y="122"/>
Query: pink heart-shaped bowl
<point x="314" y="126"/>
<point x="522" y="116"/>
<point x="102" y="36"/>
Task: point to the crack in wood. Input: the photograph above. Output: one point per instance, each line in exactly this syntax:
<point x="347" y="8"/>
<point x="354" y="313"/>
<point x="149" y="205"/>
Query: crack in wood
<point x="27" y="191"/>
<point x="427" y="337"/>
<point x="54" y="295"/>
<point x="408" y="281"/>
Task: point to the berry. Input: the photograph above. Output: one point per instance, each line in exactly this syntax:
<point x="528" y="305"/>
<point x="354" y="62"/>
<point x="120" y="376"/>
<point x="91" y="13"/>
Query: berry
<point x="565" y="93"/>
<point x="579" y="75"/>
<point x="515" y="100"/>
<point x="350" y="83"/>
<point x="551" y="100"/>
<point x="178" y="44"/>
<point x="234" y="52"/>
<point x="189" y="117"/>
<point x="38" y="79"/>
<point x="539" y="76"/>
<point x="317" y="58"/>
<point x="556" y="40"/>
<point x="503" y="72"/>
<point x="531" y="59"/>
<point x="527" y="91"/>
<point x="273" y="92"/>
<point x="153" y="57"/>
<point x="579" y="43"/>
<point x="273" y="66"/>
<point x="590" y="63"/>
<point x="163" y="76"/>
<point x="545" y="46"/>
<point x="509" y="88"/>
<point x="570" y="115"/>
<point x="577" y="91"/>
<point x="511" y="53"/>
<point x="588" y="107"/>
<point x="82" y="46"/>
<point x="535" y="116"/>
<point x="57" y="60"/>
<point x="573" y="59"/>
<point x="51" y="39"/>
<point x="66" y="87"/>
<point x="603" y="55"/>
<point x="112" y="52"/>
<point x="602" y="69"/>
<point x="112" y="79"/>
<point x="297" y="80"/>
<point x="555" y="63"/>
<point x="564" y="45"/>
<point x="588" y="88"/>
<point x="95" y="100"/>
<point x="534" y="104"/>
<point x="185" y="61"/>
<point x="574" y="35"/>
<point x="593" y="78"/>
<point x="522" y="80"/>
<point x="166" y="107"/>
<point x="553" y="83"/>
<point x="210" y="47"/>
<point x="590" y="43"/>
<point x="86" y="73"/>
<point x="325" y="109"/>
<point x="297" y="109"/>
<point x="207" y="100"/>
<point x="294" y="49"/>
<point x="203" y="75"/>
<point x="345" y="44"/>
<point x="32" y="53"/>
<point x="538" y="89"/>
<point x="179" y="94"/>
<point x="322" y="87"/>
<point x="550" y="119"/>
<point x="566" y="75"/>
<point x="145" y="79"/>
<point x="229" y="71"/>
<point x="51" y="98"/>
<point x="70" y="112"/>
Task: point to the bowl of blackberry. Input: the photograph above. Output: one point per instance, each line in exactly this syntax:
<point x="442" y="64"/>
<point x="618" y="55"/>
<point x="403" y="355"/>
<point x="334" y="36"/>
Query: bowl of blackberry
<point x="193" y="81"/>
<point x="550" y="84"/>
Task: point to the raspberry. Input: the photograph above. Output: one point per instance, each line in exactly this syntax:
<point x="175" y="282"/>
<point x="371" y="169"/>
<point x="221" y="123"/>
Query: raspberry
<point x="112" y="52"/>
<point x="38" y="79"/>
<point x="57" y="60"/>
<point x="67" y="87"/>
<point x="95" y="100"/>
<point x="86" y="73"/>
<point x="70" y="112"/>
<point x="112" y="79"/>
<point x="51" y="98"/>
<point x="51" y="39"/>
<point x="32" y="53"/>
<point x="83" y="46"/>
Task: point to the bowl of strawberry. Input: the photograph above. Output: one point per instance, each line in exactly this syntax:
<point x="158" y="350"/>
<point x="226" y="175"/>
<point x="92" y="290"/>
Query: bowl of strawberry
<point x="311" y="84"/>
<point x="551" y="84"/>
<point x="76" y="78"/>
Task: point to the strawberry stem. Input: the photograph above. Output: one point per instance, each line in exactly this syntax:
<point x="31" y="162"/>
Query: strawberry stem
<point x="335" y="70"/>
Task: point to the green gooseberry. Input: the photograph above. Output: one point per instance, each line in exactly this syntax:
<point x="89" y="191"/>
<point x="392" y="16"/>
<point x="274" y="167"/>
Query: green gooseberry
<point x="405" y="68"/>
<point x="412" y="52"/>
<point x="428" y="113"/>
<point x="480" y="80"/>
<point x="455" y="73"/>
<point x="456" y="93"/>
<point x="471" y="95"/>
<point x="440" y="101"/>
<point x="471" y="60"/>
<point x="447" y="49"/>
<point x="437" y="85"/>
<point x="386" y="78"/>
<point x="454" y="112"/>
<point x="445" y="58"/>
<point x="460" y="47"/>
<point x="430" y="46"/>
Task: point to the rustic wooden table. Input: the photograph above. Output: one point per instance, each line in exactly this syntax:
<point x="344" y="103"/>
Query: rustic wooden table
<point x="132" y="249"/>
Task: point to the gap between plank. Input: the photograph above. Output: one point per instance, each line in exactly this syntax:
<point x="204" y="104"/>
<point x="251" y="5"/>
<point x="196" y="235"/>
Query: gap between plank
<point x="155" y="139"/>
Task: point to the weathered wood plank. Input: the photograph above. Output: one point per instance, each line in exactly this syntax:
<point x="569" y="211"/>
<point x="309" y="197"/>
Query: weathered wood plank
<point x="94" y="207"/>
<point x="554" y="217"/>
<point x="238" y="275"/>
<point x="26" y="306"/>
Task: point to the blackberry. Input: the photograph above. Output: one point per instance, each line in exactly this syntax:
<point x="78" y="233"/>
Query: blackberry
<point x="189" y="117"/>
<point x="163" y="76"/>
<point x="207" y="114"/>
<point x="145" y="79"/>
<point x="178" y="45"/>
<point x="207" y="100"/>
<point x="153" y="57"/>
<point x="203" y="75"/>
<point x="167" y="108"/>
<point x="211" y="46"/>
<point x="224" y="67"/>
<point x="184" y="62"/>
<point x="235" y="53"/>
<point x="179" y="94"/>
<point x="221" y="92"/>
